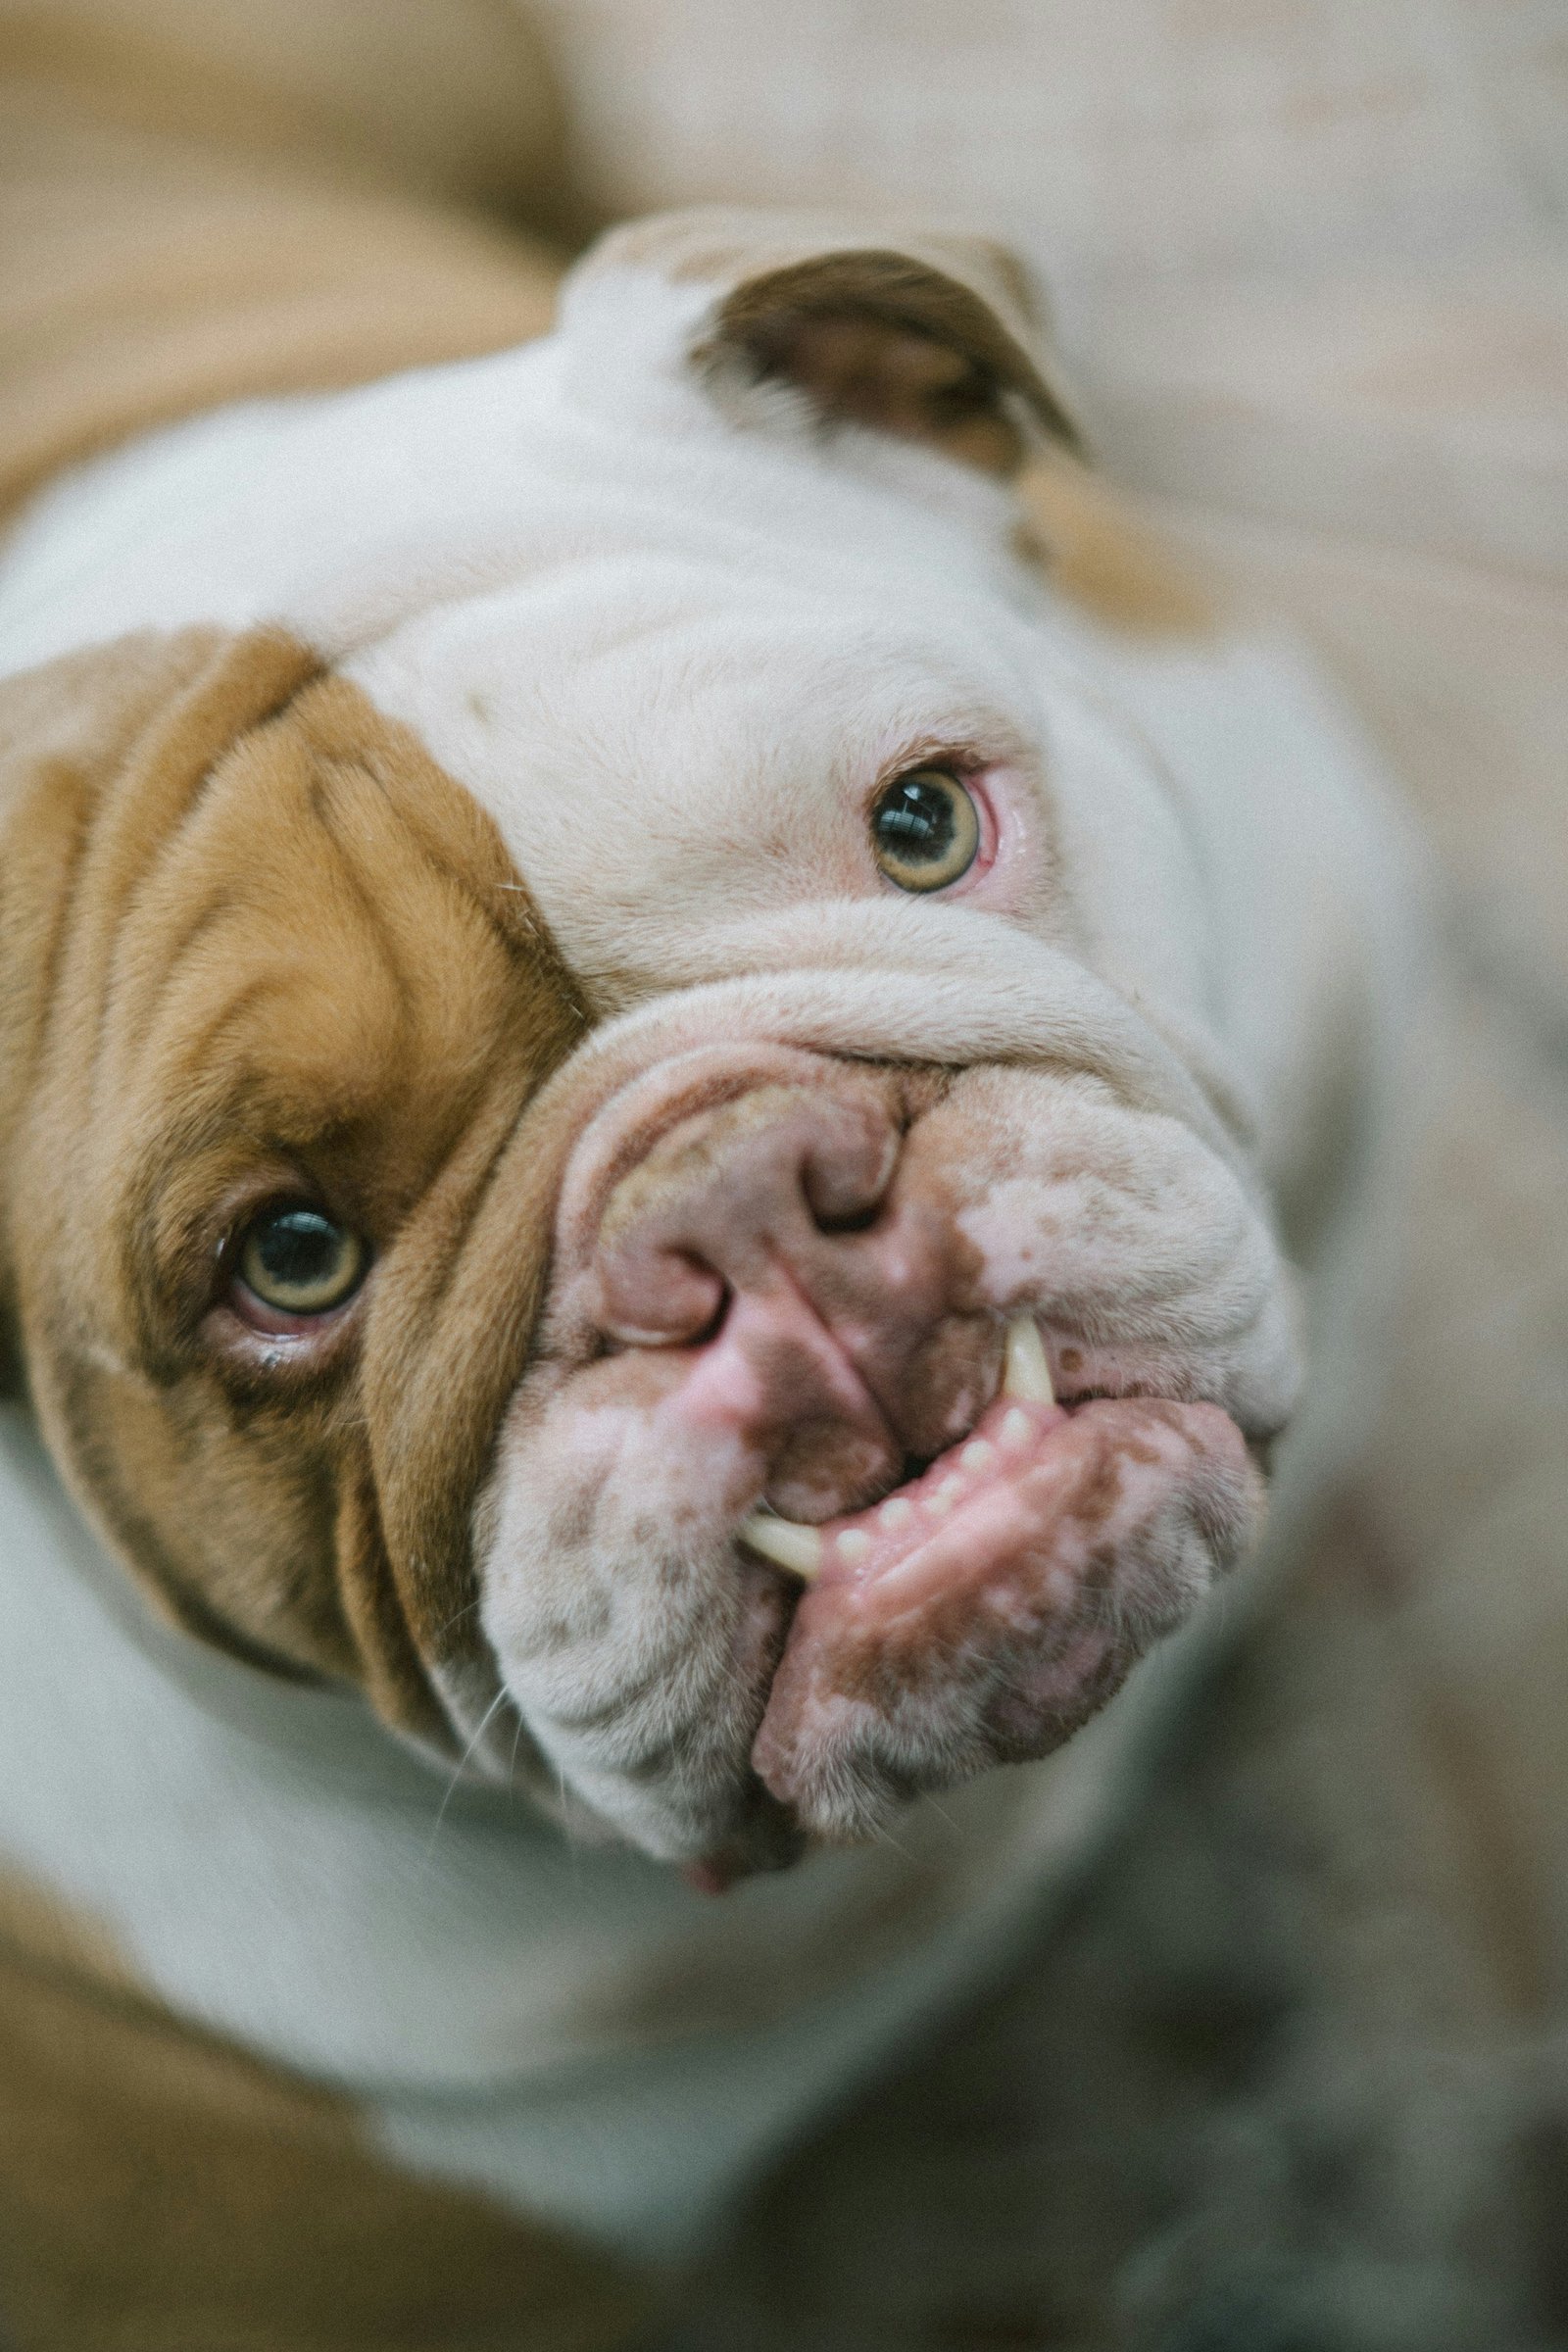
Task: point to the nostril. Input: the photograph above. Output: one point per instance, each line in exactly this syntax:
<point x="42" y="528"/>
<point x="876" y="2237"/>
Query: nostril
<point x="726" y="1203"/>
<point x="660" y="1297"/>
<point x="716" y="1320"/>
<point x="854" y="1220"/>
<point x="845" y="1179"/>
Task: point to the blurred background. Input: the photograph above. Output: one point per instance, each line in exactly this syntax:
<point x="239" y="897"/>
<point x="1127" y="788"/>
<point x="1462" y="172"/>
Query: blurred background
<point x="1292" y="2077"/>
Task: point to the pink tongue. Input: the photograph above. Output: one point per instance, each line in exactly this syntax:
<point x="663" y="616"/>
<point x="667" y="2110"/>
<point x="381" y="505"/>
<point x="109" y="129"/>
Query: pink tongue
<point x="971" y="1495"/>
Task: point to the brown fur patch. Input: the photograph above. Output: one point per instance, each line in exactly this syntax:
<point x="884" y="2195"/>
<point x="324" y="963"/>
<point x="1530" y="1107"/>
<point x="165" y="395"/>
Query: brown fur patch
<point x="255" y="941"/>
<point x="882" y="339"/>
<point x="1103" y="555"/>
<point x="160" y="2191"/>
<point x="156" y="262"/>
<point x="928" y="337"/>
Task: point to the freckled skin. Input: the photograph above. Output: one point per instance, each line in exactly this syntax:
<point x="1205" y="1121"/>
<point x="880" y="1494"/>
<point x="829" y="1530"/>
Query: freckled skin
<point x="992" y="1637"/>
<point x="796" y="1291"/>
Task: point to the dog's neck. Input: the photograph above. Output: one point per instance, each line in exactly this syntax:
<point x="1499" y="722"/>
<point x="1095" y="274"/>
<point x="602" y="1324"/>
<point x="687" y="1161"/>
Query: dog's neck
<point x="438" y="1948"/>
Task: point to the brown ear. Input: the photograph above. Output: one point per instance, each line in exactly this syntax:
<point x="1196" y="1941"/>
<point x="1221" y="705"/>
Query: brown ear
<point x="927" y="338"/>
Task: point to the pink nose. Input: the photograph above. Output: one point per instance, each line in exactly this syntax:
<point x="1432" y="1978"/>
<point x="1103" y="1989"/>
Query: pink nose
<point x="760" y="1192"/>
<point x="779" y="1224"/>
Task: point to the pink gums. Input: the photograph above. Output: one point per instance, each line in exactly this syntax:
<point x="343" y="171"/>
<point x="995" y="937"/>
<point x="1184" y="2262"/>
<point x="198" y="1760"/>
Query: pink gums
<point x="971" y="1501"/>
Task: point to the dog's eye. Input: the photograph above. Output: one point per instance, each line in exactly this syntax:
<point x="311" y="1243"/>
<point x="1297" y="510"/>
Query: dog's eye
<point x="925" y="830"/>
<point x="299" y="1262"/>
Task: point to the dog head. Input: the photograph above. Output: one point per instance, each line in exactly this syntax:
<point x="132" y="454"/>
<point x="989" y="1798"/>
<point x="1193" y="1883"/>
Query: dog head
<point x="613" y="1128"/>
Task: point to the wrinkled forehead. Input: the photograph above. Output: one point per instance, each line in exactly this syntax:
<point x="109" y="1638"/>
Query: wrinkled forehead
<point x="701" y="721"/>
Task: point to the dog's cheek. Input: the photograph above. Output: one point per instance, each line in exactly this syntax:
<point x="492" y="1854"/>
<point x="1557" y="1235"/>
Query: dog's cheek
<point x="228" y="1521"/>
<point x="636" y="1643"/>
<point x="1128" y="1236"/>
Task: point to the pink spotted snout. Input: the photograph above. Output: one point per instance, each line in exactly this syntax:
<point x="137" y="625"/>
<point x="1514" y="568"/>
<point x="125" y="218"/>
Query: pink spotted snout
<point x="885" y="1418"/>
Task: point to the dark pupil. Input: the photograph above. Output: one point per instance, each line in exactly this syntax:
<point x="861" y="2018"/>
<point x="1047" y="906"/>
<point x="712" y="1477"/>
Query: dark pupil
<point x="915" y="821"/>
<point x="299" y="1248"/>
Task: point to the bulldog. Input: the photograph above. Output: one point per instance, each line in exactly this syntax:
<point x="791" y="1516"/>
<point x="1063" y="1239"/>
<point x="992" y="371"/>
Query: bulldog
<point x="673" y="1134"/>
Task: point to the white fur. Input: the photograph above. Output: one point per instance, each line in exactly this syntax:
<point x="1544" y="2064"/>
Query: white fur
<point x="489" y="530"/>
<point x="274" y="1867"/>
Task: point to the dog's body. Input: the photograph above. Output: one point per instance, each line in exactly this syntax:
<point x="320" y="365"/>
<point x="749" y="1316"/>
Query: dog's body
<point x="467" y="786"/>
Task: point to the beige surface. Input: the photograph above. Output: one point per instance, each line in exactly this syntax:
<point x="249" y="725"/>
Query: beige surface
<point x="200" y="204"/>
<point x="1117" y="139"/>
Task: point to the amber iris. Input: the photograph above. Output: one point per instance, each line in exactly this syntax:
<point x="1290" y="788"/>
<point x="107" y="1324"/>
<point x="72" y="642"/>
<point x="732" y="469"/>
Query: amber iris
<point x="925" y="829"/>
<point x="301" y="1263"/>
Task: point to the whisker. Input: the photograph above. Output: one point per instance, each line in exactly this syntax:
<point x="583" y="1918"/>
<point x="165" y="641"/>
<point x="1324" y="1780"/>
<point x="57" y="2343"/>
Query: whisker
<point x="467" y="1610"/>
<point x="573" y="1842"/>
<point x="884" y="1837"/>
<point x="462" y="1767"/>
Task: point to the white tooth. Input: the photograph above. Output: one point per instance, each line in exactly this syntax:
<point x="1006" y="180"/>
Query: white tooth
<point x="978" y="1455"/>
<point x="897" y="1511"/>
<point x="946" y="1496"/>
<point x="1025" y="1367"/>
<point x="853" y="1543"/>
<point x="784" y="1542"/>
<point x="1017" y="1427"/>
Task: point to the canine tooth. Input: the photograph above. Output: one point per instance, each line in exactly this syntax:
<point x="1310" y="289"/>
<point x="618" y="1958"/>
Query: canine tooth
<point x="897" y="1511"/>
<point x="1016" y="1427"/>
<point x="1026" y="1368"/>
<point x="784" y="1542"/>
<point x="978" y="1455"/>
<point x="853" y="1544"/>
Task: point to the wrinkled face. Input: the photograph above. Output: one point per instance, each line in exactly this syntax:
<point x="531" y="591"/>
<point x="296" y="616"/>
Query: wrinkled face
<point x="630" y="1203"/>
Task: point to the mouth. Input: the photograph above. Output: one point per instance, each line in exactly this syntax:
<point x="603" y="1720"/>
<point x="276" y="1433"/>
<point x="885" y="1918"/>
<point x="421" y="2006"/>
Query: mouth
<point x="793" y="1528"/>
<point x="980" y="1613"/>
<point x="962" y="1492"/>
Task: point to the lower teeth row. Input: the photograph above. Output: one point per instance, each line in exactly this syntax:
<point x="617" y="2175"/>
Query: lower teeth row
<point x="1025" y="1378"/>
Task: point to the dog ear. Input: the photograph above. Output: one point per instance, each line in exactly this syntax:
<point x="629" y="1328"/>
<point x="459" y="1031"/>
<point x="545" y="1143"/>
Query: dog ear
<point x="930" y="338"/>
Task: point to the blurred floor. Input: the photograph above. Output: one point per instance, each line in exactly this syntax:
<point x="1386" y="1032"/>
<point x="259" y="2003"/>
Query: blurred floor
<point x="1296" y="2076"/>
